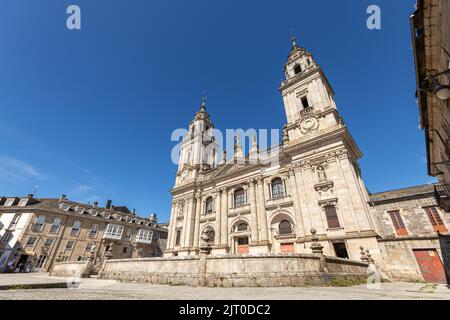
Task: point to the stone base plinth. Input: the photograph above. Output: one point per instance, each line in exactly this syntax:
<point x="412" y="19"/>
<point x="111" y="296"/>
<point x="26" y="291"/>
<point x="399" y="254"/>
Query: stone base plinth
<point x="262" y="270"/>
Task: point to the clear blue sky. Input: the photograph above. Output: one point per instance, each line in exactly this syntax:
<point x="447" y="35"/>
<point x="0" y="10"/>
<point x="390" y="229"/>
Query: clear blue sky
<point x="89" y="113"/>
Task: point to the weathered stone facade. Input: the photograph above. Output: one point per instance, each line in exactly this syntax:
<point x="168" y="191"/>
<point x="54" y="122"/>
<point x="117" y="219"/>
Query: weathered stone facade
<point x="36" y="233"/>
<point x="398" y="260"/>
<point x="263" y="270"/>
<point x="430" y="28"/>
<point x="270" y="207"/>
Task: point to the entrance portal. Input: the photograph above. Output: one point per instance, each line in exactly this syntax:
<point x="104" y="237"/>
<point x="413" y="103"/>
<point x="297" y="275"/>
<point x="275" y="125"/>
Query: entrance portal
<point x="431" y="266"/>
<point x="242" y="245"/>
<point x="340" y="249"/>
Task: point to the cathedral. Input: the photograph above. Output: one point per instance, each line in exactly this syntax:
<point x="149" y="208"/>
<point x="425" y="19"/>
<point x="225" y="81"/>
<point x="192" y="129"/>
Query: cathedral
<point x="257" y="207"/>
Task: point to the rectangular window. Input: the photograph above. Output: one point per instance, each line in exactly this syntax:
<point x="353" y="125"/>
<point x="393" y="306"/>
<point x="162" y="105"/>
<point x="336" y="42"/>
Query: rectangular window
<point x="7" y="237"/>
<point x="75" y="228"/>
<point x="94" y="231"/>
<point x="128" y="235"/>
<point x="9" y="202"/>
<point x="435" y="219"/>
<point x="397" y="220"/>
<point x="55" y="225"/>
<point x="31" y="241"/>
<point x="64" y="259"/>
<point x="114" y="231"/>
<point x="88" y="247"/>
<point x="239" y="198"/>
<point x="41" y="261"/>
<point x="124" y="249"/>
<point x="23" y="202"/>
<point x="305" y="102"/>
<point x="15" y="220"/>
<point x="178" y="238"/>
<point x="48" y="243"/>
<point x="332" y="218"/>
<point x="70" y="244"/>
<point x="144" y="235"/>
<point x="39" y="224"/>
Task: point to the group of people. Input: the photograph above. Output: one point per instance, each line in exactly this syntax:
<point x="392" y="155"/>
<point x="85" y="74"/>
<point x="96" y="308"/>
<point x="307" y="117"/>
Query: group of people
<point x="21" y="267"/>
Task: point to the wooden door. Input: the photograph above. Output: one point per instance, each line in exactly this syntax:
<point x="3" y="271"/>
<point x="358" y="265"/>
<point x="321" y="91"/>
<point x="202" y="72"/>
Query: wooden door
<point x="242" y="245"/>
<point x="431" y="266"/>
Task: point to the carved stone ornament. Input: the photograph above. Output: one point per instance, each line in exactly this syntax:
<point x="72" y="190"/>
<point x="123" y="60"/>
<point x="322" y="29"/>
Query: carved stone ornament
<point x="328" y="202"/>
<point x="308" y="124"/>
<point x="184" y="175"/>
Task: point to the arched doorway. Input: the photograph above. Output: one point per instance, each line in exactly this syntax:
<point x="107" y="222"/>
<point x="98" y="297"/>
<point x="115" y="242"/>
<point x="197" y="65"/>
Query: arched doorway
<point x="241" y="233"/>
<point x="242" y="245"/>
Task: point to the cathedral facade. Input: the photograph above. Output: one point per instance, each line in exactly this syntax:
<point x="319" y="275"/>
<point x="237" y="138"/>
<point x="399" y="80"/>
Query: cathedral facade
<point x="315" y="186"/>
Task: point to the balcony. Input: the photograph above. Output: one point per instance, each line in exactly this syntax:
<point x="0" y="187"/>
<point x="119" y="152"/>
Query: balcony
<point x="112" y="236"/>
<point x="442" y="195"/>
<point x="306" y="111"/>
<point x="143" y="240"/>
<point x="284" y="199"/>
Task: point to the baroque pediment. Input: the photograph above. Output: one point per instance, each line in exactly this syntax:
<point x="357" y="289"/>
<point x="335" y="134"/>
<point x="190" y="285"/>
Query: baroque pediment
<point x="227" y="169"/>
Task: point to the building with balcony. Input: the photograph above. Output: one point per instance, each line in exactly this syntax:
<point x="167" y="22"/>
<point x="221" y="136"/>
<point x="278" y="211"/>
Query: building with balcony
<point x="35" y="233"/>
<point x="430" y="28"/>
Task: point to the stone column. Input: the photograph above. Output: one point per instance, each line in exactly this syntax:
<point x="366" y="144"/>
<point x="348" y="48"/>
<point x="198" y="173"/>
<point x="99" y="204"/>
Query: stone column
<point x="261" y="205"/>
<point x="253" y="212"/>
<point x="197" y="220"/>
<point x="218" y="205"/>
<point x="172" y="226"/>
<point x="189" y="216"/>
<point x="297" y="211"/>
<point x="224" y="218"/>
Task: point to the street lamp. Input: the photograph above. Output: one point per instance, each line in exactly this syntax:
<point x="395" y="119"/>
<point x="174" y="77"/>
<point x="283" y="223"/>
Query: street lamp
<point x="442" y="91"/>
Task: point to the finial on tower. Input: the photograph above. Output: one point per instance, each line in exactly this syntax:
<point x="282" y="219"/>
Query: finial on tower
<point x="203" y="108"/>
<point x="294" y="41"/>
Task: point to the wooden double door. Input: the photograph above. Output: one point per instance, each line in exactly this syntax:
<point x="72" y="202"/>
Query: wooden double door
<point x="431" y="265"/>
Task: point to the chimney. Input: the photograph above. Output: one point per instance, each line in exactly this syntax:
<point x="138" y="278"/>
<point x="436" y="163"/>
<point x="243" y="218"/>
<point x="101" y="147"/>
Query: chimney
<point x="95" y="205"/>
<point x="153" y="217"/>
<point x="133" y="211"/>
<point x="108" y="204"/>
<point x="62" y="198"/>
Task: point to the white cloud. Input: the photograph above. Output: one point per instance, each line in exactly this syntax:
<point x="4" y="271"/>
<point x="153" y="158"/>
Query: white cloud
<point x="15" y="170"/>
<point x="81" y="189"/>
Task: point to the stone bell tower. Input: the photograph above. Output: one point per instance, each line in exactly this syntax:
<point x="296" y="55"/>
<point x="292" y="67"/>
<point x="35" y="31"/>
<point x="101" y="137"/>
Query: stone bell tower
<point x="307" y="95"/>
<point x="196" y="152"/>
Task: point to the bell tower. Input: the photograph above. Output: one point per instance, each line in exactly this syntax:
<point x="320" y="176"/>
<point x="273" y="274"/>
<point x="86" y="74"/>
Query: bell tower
<point x="196" y="154"/>
<point x="307" y="95"/>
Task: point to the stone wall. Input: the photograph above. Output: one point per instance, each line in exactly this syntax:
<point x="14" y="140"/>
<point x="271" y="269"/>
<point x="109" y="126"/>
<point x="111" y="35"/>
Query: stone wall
<point x="263" y="270"/>
<point x="399" y="262"/>
<point x="79" y="269"/>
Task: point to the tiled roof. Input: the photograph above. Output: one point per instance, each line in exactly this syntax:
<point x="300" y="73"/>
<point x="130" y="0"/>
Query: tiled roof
<point x="116" y="213"/>
<point x="427" y="189"/>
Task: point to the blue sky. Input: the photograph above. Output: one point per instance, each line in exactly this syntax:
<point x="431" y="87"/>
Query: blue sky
<point x="90" y="112"/>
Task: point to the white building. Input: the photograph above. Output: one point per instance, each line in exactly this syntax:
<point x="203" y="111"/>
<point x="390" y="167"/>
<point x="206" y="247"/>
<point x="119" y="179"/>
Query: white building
<point x="258" y="207"/>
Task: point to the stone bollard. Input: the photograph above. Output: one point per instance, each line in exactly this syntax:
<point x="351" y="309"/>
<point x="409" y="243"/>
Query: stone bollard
<point x="108" y="256"/>
<point x="316" y="247"/>
<point x="369" y="257"/>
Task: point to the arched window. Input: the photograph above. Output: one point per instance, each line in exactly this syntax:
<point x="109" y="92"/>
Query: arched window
<point x="239" y="198"/>
<point x="209" y="205"/>
<point x="297" y="69"/>
<point x="242" y="226"/>
<point x="277" y="188"/>
<point x="285" y="227"/>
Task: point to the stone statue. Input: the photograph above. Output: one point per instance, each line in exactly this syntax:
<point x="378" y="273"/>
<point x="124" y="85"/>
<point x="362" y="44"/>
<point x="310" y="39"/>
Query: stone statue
<point x="321" y="173"/>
